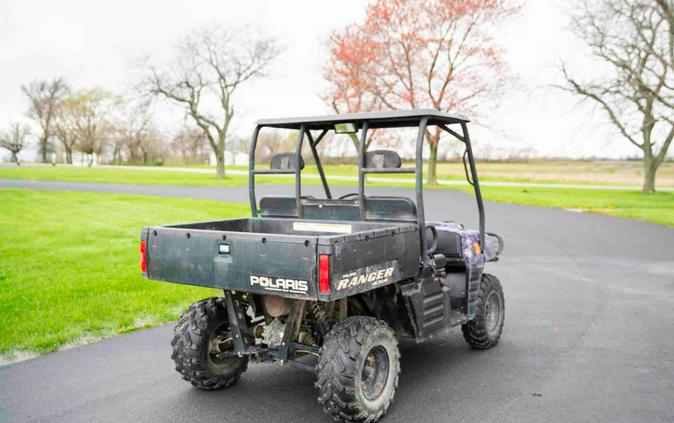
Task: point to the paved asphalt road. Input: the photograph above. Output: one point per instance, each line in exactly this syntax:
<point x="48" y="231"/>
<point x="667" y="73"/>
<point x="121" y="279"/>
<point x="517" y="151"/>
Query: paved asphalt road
<point x="589" y="337"/>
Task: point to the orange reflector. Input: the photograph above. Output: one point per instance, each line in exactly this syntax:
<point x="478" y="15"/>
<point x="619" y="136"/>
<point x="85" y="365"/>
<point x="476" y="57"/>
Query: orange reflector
<point x="477" y="248"/>
<point x="143" y="257"/>
<point x="324" y="273"/>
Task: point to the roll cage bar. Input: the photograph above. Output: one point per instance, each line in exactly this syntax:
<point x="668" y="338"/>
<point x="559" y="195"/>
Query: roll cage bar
<point x="422" y="119"/>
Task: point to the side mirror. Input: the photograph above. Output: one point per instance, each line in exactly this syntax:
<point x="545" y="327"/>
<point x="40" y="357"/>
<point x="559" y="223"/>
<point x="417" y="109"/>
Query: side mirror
<point x="346" y="128"/>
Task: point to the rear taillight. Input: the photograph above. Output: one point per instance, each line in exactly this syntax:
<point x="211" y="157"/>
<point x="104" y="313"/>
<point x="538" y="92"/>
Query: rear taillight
<point x="143" y="257"/>
<point x="324" y="273"/>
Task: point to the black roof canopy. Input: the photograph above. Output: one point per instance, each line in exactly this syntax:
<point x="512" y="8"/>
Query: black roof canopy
<point x="390" y="119"/>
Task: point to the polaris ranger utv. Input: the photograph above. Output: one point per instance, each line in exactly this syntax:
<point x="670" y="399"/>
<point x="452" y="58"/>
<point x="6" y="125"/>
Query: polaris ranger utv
<point x="330" y="284"/>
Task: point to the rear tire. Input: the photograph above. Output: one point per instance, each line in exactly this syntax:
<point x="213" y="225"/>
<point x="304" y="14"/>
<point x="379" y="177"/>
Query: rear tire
<point x="203" y="331"/>
<point x="358" y="370"/>
<point x="484" y="331"/>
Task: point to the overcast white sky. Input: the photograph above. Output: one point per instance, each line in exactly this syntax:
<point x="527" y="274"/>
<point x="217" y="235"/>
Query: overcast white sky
<point x="94" y="43"/>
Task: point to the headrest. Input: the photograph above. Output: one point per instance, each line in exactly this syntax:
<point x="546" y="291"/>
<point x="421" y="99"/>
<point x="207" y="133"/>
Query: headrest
<point x="285" y="161"/>
<point x="382" y="159"/>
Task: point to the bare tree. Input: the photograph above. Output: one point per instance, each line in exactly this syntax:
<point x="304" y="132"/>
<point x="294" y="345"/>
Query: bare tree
<point x="85" y="122"/>
<point x="116" y="144"/>
<point x="150" y="147"/>
<point x="45" y="97"/>
<point x="271" y="142"/>
<point x="15" y="139"/>
<point x="66" y="124"/>
<point x="135" y="132"/>
<point x="210" y="66"/>
<point x="189" y="144"/>
<point x="68" y="140"/>
<point x="635" y="39"/>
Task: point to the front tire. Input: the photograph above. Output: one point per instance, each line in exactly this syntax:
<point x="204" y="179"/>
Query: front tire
<point x="201" y="333"/>
<point x="358" y="370"/>
<point x="484" y="331"/>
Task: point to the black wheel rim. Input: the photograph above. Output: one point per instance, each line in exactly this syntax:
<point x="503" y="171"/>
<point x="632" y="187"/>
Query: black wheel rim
<point x="374" y="374"/>
<point x="492" y="312"/>
<point x="220" y="342"/>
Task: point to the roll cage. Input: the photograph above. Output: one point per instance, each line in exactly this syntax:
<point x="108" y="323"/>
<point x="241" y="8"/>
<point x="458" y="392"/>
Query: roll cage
<point x="421" y="118"/>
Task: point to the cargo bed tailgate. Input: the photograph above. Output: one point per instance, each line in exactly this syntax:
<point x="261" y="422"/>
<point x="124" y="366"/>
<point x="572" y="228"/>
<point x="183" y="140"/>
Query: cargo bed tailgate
<point x="231" y="260"/>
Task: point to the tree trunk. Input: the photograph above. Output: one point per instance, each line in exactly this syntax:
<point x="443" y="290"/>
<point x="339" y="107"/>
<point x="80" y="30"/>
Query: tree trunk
<point x="220" y="165"/>
<point x="69" y="155"/>
<point x="14" y="158"/>
<point x="649" y="174"/>
<point x="115" y="155"/>
<point x="432" y="178"/>
<point x="43" y="148"/>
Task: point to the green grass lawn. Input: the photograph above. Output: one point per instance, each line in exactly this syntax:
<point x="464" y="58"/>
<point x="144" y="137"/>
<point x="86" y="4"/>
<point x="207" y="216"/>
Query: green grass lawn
<point x="118" y="175"/>
<point x="655" y="208"/>
<point x="69" y="265"/>
<point x="160" y="176"/>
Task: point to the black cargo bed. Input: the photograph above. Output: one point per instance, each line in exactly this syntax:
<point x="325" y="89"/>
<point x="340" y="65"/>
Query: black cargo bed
<point x="245" y="254"/>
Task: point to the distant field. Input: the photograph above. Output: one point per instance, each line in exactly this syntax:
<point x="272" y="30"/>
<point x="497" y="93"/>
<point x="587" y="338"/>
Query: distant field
<point x="69" y="266"/>
<point x="566" y="171"/>
<point x="597" y="172"/>
<point x="553" y="172"/>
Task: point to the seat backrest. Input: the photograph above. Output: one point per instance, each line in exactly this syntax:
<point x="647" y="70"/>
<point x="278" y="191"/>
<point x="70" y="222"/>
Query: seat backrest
<point x="390" y="208"/>
<point x="278" y="206"/>
<point x="334" y="209"/>
<point x="376" y="208"/>
<point x="285" y="161"/>
<point x="382" y="159"/>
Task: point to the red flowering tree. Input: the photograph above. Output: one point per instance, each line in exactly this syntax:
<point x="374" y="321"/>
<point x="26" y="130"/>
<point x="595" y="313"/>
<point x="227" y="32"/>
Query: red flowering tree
<point x="351" y="54"/>
<point x="438" y="54"/>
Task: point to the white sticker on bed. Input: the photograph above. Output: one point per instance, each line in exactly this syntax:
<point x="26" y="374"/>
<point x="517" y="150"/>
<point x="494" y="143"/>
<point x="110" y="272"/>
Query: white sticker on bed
<point x="338" y="228"/>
